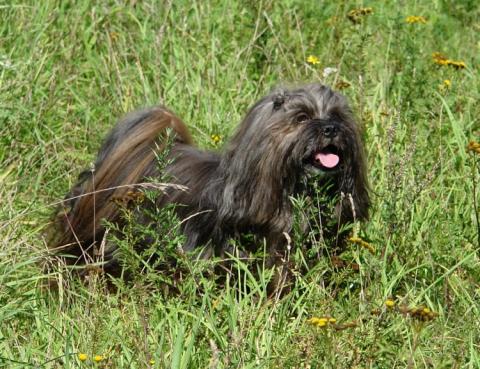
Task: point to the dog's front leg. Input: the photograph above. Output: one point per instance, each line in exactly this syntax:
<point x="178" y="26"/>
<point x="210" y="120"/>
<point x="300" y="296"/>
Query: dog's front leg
<point x="279" y="247"/>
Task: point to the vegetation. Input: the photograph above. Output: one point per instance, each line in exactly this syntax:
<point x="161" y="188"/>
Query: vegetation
<point x="70" y="69"/>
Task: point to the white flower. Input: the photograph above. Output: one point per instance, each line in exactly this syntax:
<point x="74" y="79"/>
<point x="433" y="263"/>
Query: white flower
<point x="329" y="70"/>
<point x="5" y="63"/>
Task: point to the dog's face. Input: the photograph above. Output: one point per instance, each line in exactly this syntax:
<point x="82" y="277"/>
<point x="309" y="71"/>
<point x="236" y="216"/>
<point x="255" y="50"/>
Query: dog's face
<point x="324" y="139"/>
<point x="290" y="135"/>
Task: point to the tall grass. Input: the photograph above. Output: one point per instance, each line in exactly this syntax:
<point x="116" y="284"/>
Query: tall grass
<point x="69" y="70"/>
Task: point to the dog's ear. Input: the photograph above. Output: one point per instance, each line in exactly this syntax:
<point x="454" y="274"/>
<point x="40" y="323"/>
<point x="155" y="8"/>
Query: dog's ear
<point x="278" y="100"/>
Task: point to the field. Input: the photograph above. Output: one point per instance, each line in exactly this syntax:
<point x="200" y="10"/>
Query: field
<point x="70" y="69"/>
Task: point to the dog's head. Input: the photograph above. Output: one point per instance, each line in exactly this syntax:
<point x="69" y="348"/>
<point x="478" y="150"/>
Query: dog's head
<point x="296" y="134"/>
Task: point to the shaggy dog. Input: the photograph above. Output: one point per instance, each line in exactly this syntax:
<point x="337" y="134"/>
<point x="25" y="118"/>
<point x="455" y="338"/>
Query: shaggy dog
<point x="287" y="139"/>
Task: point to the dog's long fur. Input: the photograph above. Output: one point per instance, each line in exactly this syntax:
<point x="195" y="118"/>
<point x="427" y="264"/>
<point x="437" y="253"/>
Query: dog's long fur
<point x="244" y="189"/>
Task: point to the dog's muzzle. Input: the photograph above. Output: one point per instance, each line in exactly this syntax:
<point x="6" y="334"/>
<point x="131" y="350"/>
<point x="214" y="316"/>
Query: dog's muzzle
<point x="327" y="157"/>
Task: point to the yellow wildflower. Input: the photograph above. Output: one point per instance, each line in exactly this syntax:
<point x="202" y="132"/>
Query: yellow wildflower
<point x="316" y="320"/>
<point x="440" y="59"/>
<point x="321" y="322"/>
<point x="98" y="358"/>
<point x="421" y="313"/>
<point x="457" y="64"/>
<point x="152" y="362"/>
<point x="445" y="85"/>
<point x="358" y="241"/>
<point x="415" y="19"/>
<point x="82" y="357"/>
<point x="389" y="303"/>
<point x="216" y="139"/>
<point x="474" y="147"/>
<point x="355" y="15"/>
<point x="313" y="60"/>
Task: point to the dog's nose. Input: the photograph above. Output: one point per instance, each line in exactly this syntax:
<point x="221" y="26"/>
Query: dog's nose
<point x="329" y="131"/>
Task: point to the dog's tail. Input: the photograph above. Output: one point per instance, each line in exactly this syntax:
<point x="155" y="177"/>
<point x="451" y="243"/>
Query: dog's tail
<point x="126" y="158"/>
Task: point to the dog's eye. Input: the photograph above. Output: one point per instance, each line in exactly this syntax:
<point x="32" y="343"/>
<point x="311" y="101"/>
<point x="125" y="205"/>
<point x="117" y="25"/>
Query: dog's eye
<point x="300" y="118"/>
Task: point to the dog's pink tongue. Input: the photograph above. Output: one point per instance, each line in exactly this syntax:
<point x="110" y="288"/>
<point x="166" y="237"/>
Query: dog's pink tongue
<point x="328" y="160"/>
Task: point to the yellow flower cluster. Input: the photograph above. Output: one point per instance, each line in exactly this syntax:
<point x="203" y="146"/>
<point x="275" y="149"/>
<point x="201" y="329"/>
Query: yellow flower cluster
<point x="419" y="312"/>
<point x="356" y="15"/>
<point x="440" y="59"/>
<point x="474" y="147"/>
<point x="325" y="322"/>
<point x="321" y="322"/>
<point x="216" y="139"/>
<point x="83" y="357"/>
<point x="313" y="60"/>
<point x="358" y="241"/>
<point x="415" y="19"/>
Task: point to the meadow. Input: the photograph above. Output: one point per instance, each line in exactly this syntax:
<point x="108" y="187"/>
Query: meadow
<point x="70" y="69"/>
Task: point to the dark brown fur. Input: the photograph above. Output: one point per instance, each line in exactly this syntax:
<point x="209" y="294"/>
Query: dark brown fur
<point x="244" y="189"/>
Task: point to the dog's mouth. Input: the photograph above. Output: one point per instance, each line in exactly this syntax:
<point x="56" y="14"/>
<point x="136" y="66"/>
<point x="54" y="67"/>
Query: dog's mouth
<point x="325" y="160"/>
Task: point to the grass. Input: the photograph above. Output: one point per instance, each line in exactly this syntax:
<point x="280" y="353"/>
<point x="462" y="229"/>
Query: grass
<point x="69" y="70"/>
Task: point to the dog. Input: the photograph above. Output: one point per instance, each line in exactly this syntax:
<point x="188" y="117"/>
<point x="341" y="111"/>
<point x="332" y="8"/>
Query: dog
<point x="287" y="137"/>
